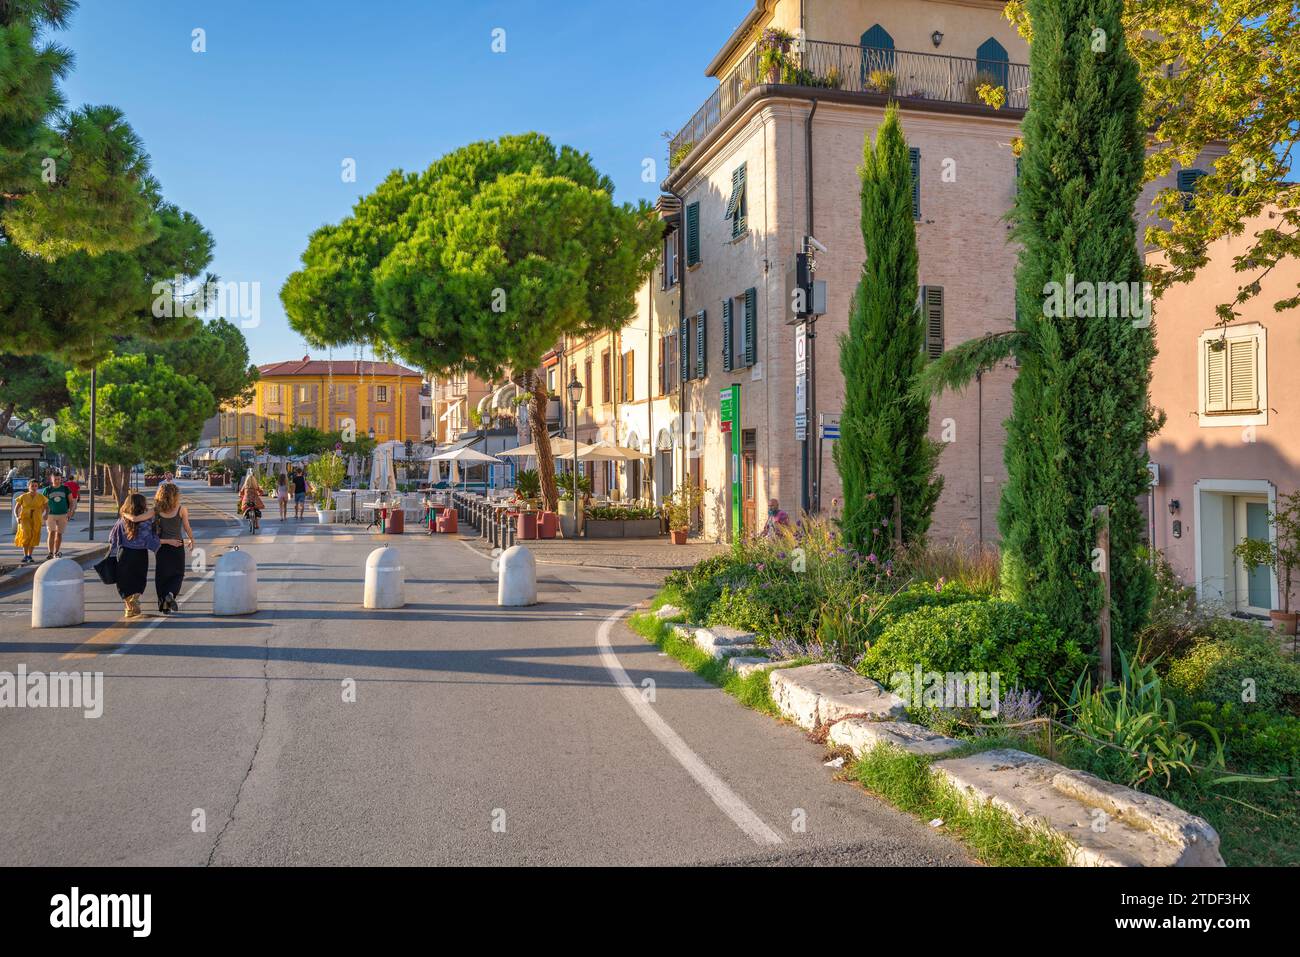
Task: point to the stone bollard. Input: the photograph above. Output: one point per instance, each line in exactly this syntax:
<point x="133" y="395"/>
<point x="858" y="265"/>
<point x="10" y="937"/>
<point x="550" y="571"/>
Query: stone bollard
<point x="517" y="579"/>
<point x="385" y="579"/>
<point x="58" y="594"/>
<point x="234" y="590"/>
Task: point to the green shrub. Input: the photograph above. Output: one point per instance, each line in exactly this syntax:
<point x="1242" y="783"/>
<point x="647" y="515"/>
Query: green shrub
<point x="976" y="635"/>
<point x="913" y="598"/>
<point x="772" y="609"/>
<point x="1254" y="741"/>
<point x="1220" y="670"/>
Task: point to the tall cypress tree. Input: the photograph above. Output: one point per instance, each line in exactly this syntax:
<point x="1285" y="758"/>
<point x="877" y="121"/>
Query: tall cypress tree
<point x="1080" y="412"/>
<point x="883" y="451"/>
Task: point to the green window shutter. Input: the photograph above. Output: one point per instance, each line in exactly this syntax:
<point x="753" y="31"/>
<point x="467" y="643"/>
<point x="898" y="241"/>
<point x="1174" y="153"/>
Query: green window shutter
<point x="693" y="235"/>
<point x="915" y="156"/>
<point x="727" y="363"/>
<point x="751" y="326"/>
<point x="932" y="304"/>
<point x="736" y="205"/>
<point x="701" y="327"/>
<point x="684" y="337"/>
<point x="1187" y="180"/>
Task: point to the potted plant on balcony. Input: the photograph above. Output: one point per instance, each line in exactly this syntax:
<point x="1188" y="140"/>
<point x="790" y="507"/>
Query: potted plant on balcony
<point x="882" y="81"/>
<point x="678" y="509"/>
<point x="773" y="54"/>
<point x="1282" y="554"/>
<point x="325" y="475"/>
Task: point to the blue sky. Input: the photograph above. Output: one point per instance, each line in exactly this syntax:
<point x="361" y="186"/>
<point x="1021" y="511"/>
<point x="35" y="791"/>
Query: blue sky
<point x="251" y="134"/>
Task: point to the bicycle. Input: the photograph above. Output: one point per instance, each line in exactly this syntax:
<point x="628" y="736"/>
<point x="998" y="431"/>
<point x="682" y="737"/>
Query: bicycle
<point x="252" y="516"/>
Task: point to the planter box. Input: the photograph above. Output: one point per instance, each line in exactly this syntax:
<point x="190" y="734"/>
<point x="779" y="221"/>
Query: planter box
<point x="216" y="479"/>
<point x="325" y="516"/>
<point x="152" y="481"/>
<point x="604" y="527"/>
<point x="622" y="528"/>
<point x="641" y="528"/>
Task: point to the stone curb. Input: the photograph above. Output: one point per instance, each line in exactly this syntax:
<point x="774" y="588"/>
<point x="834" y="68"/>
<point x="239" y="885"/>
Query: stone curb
<point x="822" y="694"/>
<point x="860" y="735"/>
<point x="1104" y="824"/>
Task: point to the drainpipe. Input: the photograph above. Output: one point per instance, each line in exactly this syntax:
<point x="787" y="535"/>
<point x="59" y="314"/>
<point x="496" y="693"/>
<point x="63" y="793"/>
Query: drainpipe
<point x="681" y="343"/>
<point x="811" y="487"/>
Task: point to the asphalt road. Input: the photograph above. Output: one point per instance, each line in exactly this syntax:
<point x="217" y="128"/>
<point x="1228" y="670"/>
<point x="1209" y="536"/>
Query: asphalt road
<point x="478" y="735"/>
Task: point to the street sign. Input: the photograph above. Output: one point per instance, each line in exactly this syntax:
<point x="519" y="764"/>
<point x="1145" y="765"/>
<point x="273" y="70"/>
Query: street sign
<point x="830" y="425"/>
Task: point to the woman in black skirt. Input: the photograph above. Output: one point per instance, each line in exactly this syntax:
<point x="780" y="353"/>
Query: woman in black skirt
<point x="171" y="520"/>
<point x="131" y="540"/>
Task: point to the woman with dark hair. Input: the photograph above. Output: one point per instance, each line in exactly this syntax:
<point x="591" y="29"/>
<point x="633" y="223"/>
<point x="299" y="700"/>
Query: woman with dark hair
<point x="131" y="540"/>
<point x="171" y="521"/>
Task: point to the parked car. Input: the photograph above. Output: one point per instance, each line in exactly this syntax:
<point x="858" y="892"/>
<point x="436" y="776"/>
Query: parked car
<point x="184" y="471"/>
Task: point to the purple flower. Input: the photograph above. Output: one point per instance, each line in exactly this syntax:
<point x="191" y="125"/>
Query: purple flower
<point x="872" y="558"/>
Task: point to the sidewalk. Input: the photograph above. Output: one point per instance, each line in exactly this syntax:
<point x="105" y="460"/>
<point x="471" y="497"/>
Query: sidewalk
<point x="75" y="546"/>
<point x="635" y="553"/>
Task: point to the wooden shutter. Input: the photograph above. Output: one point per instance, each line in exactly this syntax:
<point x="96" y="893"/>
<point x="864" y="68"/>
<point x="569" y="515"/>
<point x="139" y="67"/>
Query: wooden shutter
<point x="692" y="236"/>
<point x="1243" y="378"/>
<point x="727" y="348"/>
<point x="915" y="156"/>
<point x="932" y="305"/>
<point x="684" y="339"/>
<point x="1216" y="377"/>
<point x="1187" y="180"/>
<point x="751" y="326"/>
<point x="736" y="211"/>
<point x="701" y="326"/>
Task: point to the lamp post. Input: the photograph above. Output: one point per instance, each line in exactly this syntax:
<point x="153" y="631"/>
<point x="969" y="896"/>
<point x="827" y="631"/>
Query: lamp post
<point x="575" y="395"/>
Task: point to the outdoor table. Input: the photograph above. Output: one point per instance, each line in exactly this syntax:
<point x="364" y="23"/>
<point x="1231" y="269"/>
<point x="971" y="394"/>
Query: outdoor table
<point x="382" y="508"/>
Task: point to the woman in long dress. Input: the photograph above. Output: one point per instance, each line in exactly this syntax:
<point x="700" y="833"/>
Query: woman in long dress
<point x="29" y="510"/>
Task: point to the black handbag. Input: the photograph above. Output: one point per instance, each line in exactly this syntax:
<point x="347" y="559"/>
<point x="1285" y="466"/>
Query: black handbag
<point x="106" y="569"/>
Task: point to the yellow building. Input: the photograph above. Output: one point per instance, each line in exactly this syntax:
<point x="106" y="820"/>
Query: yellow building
<point x="330" y="396"/>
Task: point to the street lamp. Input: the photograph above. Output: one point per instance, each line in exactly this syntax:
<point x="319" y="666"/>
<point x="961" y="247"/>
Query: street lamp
<point x="575" y="395"/>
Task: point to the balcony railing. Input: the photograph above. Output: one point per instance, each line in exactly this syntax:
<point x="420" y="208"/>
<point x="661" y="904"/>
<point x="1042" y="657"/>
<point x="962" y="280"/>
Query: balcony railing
<point x="856" y="69"/>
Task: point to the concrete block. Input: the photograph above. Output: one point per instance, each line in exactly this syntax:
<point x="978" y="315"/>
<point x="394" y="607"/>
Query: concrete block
<point x="664" y="612"/>
<point x="58" y="594"/>
<point x="860" y="735"/>
<point x="1103" y="824"/>
<point x="814" y="695"/>
<point x="385" y="579"/>
<point x="234" y="585"/>
<point x="517" y="578"/>
<point x="745" y="665"/>
<point x="723" y="640"/>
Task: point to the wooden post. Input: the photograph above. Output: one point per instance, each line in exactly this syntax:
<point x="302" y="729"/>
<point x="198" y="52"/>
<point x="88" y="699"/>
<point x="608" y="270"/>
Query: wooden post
<point x="1102" y="514"/>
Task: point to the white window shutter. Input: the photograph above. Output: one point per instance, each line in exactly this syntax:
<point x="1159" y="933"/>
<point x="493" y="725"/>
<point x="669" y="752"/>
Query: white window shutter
<point x="1216" y="377"/>
<point x="1243" y="380"/>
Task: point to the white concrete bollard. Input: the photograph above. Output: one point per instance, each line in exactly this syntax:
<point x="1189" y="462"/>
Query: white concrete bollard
<point x="58" y="594"/>
<point x="517" y="579"/>
<point x="385" y="579"/>
<point x="234" y="591"/>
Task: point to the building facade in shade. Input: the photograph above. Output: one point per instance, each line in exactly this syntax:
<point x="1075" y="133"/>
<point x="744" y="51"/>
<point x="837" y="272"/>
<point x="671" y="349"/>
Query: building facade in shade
<point x="771" y="159"/>
<point x="1228" y="447"/>
<point x="331" y="396"/>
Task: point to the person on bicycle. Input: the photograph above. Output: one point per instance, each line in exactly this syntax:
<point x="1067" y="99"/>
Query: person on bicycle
<point x="250" y="500"/>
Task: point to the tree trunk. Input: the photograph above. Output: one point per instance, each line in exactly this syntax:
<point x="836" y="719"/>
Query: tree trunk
<point x="5" y="416"/>
<point x="118" y="476"/>
<point x="542" y="439"/>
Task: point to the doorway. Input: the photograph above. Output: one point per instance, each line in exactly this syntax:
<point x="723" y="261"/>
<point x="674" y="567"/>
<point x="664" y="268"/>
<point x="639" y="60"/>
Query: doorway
<point x="1229" y="511"/>
<point x="1254" y="586"/>
<point x="748" y="482"/>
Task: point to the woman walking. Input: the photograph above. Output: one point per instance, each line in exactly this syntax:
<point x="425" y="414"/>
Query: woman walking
<point x="29" y="510"/>
<point x="171" y="521"/>
<point x="131" y="540"/>
<point x="282" y="496"/>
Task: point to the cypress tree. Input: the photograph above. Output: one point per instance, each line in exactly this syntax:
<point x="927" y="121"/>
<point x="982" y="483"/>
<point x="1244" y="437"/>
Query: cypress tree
<point x="1080" y="413"/>
<point x="883" y="451"/>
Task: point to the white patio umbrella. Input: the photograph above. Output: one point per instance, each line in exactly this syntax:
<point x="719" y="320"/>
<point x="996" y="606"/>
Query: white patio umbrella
<point x="560" y="448"/>
<point x="465" y="456"/>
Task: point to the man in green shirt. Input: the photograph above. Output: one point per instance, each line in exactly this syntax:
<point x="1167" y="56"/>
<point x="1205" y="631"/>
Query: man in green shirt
<point x="56" y="520"/>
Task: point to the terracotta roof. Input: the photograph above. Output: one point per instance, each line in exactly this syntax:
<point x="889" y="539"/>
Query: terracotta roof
<point x="322" y="367"/>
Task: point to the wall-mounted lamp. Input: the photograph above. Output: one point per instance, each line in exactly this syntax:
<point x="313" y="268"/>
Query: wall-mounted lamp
<point x="936" y="37"/>
<point x="1174" y="506"/>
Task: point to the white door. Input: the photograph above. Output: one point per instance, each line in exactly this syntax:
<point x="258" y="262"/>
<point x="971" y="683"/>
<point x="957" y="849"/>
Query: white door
<point x="1254" y="593"/>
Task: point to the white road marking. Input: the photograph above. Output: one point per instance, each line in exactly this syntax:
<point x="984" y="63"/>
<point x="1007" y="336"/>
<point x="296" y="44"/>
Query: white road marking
<point x="154" y="622"/>
<point x="727" y="800"/>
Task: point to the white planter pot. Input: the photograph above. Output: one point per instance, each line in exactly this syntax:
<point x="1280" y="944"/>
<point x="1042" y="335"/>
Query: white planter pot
<point x="325" y="515"/>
